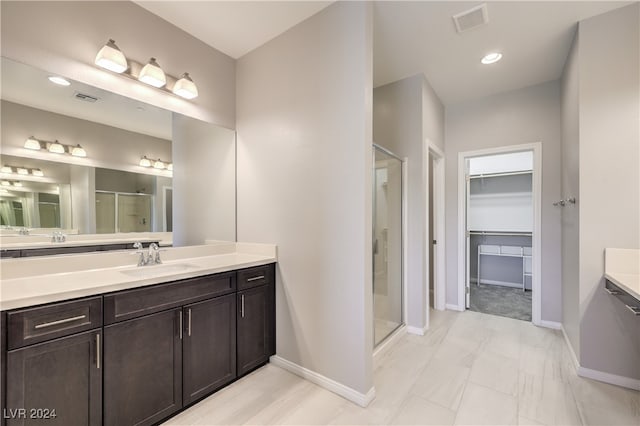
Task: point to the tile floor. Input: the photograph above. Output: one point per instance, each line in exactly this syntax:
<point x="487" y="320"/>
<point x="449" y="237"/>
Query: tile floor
<point x="470" y="368"/>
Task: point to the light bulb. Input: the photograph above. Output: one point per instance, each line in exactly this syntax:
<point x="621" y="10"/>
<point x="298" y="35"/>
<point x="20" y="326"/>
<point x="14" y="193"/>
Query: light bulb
<point x="185" y="87"/>
<point x="145" y="162"/>
<point x="22" y="171"/>
<point x="17" y="183"/>
<point x="56" y="148"/>
<point x="37" y="172"/>
<point x="78" y="151"/>
<point x="32" y="143"/>
<point x="158" y="165"/>
<point x="152" y="74"/>
<point x="5" y="183"/>
<point x="6" y="169"/>
<point x="170" y="167"/>
<point x="111" y="57"/>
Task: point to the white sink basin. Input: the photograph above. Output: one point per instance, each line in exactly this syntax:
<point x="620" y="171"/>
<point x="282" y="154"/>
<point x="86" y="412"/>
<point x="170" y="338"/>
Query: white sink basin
<point x="157" y="270"/>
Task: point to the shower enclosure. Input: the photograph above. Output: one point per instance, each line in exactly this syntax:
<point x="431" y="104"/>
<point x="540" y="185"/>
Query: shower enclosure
<point x="387" y="244"/>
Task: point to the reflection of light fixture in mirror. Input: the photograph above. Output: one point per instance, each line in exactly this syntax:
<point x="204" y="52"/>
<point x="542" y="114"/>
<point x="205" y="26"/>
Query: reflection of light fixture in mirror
<point x="17" y="183"/>
<point x="170" y="167"/>
<point x="32" y="143"/>
<point x="152" y="74"/>
<point x="158" y="164"/>
<point x="6" y="169"/>
<point x="5" y="183"/>
<point x="59" y="80"/>
<point x="78" y="151"/>
<point x="56" y="148"/>
<point x="3" y="191"/>
<point x="111" y="57"/>
<point x="25" y="171"/>
<point x="37" y="172"/>
<point x="185" y="87"/>
<point x="145" y="162"/>
<point x="22" y="171"/>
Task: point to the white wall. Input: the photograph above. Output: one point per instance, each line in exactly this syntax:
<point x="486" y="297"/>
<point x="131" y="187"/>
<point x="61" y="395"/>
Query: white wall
<point x="83" y="198"/>
<point x="405" y="114"/>
<point x="521" y="116"/>
<point x="609" y="199"/>
<point x="571" y="188"/>
<point x="304" y="183"/>
<point x="64" y="38"/>
<point x="204" y="194"/>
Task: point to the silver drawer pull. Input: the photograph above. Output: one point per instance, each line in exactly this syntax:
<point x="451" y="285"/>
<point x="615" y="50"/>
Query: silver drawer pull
<point x="634" y="309"/>
<point x="62" y="321"/>
<point x="612" y="292"/>
<point x="255" y="278"/>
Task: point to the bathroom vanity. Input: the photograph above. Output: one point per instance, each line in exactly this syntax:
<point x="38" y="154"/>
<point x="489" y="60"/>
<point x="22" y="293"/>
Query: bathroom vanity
<point x="132" y="345"/>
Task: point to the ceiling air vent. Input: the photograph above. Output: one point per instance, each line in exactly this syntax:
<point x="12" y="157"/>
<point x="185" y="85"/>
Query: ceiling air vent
<point x="85" y="97"/>
<point x="471" y="18"/>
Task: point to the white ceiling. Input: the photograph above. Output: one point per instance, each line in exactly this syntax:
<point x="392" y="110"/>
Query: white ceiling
<point x="412" y="37"/>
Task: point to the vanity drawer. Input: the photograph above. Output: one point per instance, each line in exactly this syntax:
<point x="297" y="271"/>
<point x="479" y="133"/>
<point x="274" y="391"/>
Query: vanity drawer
<point x="34" y="325"/>
<point x="256" y="276"/>
<point x="129" y="304"/>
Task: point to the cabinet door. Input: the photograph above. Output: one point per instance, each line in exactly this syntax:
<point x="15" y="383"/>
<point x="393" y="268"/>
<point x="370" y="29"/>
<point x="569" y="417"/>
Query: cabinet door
<point x="143" y="369"/>
<point x="253" y="328"/>
<point x="62" y="375"/>
<point x="209" y="346"/>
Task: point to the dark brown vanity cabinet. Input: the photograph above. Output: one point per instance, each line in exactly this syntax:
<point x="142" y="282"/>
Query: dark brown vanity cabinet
<point x="143" y="369"/>
<point x="209" y="346"/>
<point x="256" y="317"/>
<point x="54" y="364"/>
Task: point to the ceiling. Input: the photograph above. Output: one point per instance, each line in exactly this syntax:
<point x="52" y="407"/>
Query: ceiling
<point x="412" y="37"/>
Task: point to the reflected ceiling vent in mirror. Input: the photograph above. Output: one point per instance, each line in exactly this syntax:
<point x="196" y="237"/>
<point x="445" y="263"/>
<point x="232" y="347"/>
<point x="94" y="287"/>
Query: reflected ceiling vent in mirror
<point x="110" y="57"/>
<point x="85" y="97"/>
<point x="472" y="18"/>
<point x="55" y="147"/>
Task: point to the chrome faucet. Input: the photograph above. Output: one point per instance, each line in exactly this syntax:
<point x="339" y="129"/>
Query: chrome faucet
<point x="152" y="257"/>
<point x="58" y="237"/>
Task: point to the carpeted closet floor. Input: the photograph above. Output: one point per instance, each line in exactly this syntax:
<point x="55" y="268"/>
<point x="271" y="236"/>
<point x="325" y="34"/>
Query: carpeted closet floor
<point x="504" y="301"/>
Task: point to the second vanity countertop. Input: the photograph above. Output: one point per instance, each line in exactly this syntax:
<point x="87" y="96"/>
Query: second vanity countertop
<point x="622" y="267"/>
<point x="33" y="281"/>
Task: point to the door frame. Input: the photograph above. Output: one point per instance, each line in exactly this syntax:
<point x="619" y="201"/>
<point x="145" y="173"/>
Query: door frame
<point x="439" y="287"/>
<point x="536" y="240"/>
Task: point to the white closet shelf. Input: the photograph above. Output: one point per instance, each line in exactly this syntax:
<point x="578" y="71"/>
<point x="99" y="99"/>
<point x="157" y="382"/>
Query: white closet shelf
<point x="508" y="251"/>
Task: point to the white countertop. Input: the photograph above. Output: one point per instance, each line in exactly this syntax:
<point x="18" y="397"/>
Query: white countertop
<point x="33" y="281"/>
<point x="622" y="267"/>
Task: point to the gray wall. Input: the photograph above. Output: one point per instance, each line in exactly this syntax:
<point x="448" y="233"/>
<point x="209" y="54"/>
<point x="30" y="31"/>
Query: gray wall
<point x="609" y="199"/>
<point x="571" y="188"/>
<point x="405" y="113"/>
<point x="521" y="116"/>
<point x="304" y="183"/>
<point x="64" y="37"/>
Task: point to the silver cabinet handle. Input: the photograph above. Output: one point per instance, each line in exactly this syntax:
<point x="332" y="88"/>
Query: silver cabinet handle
<point x="634" y="309"/>
<point x="180" y="326"/>
<point x="98" y="351"/>
<point x="242" y="306"/>
<point x="612" y="292"/>
<point x="62" y="321"/>
<point x="255" y="278"/>
<point x="189" y="322"/>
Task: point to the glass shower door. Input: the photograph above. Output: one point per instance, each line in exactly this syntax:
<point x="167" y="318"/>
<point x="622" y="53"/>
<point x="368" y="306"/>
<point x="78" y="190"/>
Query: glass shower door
<point x="387" y="244"/>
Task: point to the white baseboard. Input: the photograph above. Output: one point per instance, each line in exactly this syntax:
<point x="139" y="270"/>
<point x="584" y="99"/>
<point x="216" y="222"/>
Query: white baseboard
<point x="601" y="376"/>
<point x="550" y="324"/>
<point x="331" y="385"/>
<point x="498" y="283"/>
<point x="417" y="330"/>
<point x="452" y="307"/>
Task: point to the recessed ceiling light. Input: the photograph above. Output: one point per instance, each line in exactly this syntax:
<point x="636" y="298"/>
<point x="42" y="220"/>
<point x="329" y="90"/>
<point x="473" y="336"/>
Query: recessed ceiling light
<point x="491" y="58"/>
<point x="59" y="80"/>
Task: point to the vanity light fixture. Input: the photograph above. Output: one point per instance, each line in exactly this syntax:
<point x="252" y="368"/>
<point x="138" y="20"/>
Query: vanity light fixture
<point x="145" y="162"/>
<point x="17" y="183"/>
<point x="158" y="165"/>
<point x="5" y="183"/>
<point x="59" y="80"/>
<point x="37" y="172"/>
<point x="6" y="169"/>
<point x="185" y="87"/>
<point x="56" y="148"/>
<point x="152" y="74"/>
<point x="78" y="151"/>
<point x="22" y="171"/>
<point x="491" y="58"/>
<point x="111" y="57"/>
<point x="3" y="191"/>
<point x="32" y="143"/>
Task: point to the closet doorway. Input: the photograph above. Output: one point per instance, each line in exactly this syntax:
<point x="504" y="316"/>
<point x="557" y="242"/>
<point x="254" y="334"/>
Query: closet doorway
<point x="501" y="223"/>
<point x="388" y="310"/>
